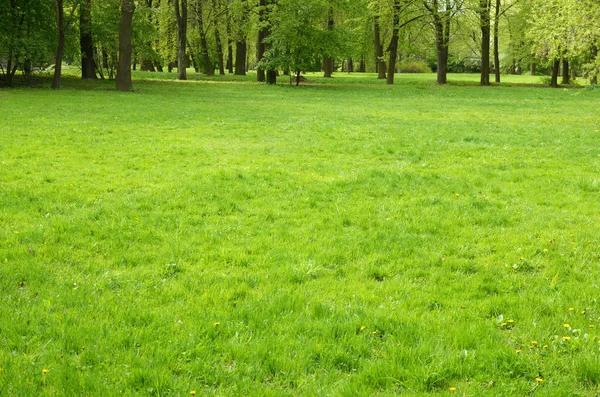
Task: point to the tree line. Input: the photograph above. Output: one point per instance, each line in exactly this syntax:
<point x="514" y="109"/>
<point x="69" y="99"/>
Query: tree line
<point x="108" y="38"/>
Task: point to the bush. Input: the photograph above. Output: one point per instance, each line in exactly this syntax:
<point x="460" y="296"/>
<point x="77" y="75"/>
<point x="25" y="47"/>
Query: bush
<point x="414" y="67"/>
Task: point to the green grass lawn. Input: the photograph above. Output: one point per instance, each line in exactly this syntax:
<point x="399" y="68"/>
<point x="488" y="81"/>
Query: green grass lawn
<point x="341" y="238"/>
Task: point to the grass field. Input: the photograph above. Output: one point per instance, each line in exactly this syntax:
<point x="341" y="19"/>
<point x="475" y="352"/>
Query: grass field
<point x="343" y="238"/>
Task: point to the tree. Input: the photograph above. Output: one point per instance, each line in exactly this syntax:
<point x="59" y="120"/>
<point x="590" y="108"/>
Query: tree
<point x="496" y="41"/>
<point x="263" y="29"/>
<point x="180" y="8"/>
<point x="88" y="65"/>
<point x="328" y="62"/>
<point x="441" y="13"/>
<point x="125" y="48"/>
<point x="27" y="37"/>
<point x="485" y="24"/>
<point x="207" y="65"/>
<point x="216" y="10"/>
<point x="241" y="13"/>
<point x="399" y="9"/>
<point x="297" y="41"/>
<point x="61" y="26"/>
<point x="380" y="63"/>
<point x="556" y="32"/>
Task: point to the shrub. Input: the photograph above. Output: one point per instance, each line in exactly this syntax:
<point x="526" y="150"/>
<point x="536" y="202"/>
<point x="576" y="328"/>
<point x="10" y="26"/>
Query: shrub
<point x="414" y="67"/>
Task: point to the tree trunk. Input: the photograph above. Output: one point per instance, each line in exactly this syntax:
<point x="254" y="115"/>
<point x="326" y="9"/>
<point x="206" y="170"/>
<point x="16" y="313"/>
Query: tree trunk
<point x="393" y="47"/>
<point x="60" y="48"/>
<point x="327" y="67"/>
<point x="555" y="70"/>
<point x="147" y="65"/>
<point x="565" y="72"/>
<point x="219" y="51"/>
<point x="180" y="7"/>
<point x="496" y="42"/>
<point x="208" y="66"/>
<point x="594" y="55"/>
<point x="215" y="21"/>
<point x="297" y="78"/>
<point x="229" y="65"/>
<point x="533" y="69"/>
<point x="240" y="57"/>
<point x="88" y="66"/>
<point x="125" y="31"/>
<point x="484" y="19"/>
<point x="271" y="77"/>
<point x="442" y="53"/>
<point x="262" y="35"/>
<point x="379" y="63"/>
<point x="328" y="60"/>
<point x="362" y="66"/>
<point x="350" y="66"/>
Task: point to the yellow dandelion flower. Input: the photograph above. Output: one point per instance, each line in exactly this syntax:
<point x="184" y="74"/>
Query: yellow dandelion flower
<point x="545" y="250"/>
<point x="566" y="325"/>
<point x="510" y="321"/>
<point x="362" y="328"/>
<point x="583" y="312"/>
<point x="44" y="371"/>
<point x="545" y="346"/>
<point x="373" y="333"/>
<point x="566" y="338"/>
<point x="571" y="309"/>
<point x="457" y="195"/>
<point x="503" y="324"/>
<point x="518" y="351"/>
<point x="539" y="380"/>
<point x="452" y="389"/>
<point x="193" y="393"/>
<point x="534" y="343"/>
<point x="592" y="326"/>
<point x="216" y="324"/>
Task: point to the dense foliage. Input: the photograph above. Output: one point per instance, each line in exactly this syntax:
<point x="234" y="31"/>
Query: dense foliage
<point x="307" y="35"/>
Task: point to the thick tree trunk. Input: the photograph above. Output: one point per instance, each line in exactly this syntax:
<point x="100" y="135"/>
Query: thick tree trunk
<point x="88" y="66"/>
<point x="442" y="54"/>
<point x="240" y="57"/>
<point x="533" y="69"/>
<point x="379" y="63"/>
<point x="496" y="43"/>
<point x="60" y="48"/>
<point x="125" y="31"/>
<point x="484" y="20"/>
<point x="180" y="8"/>
<point x="555" y="71"/>
<point x="241" y="47"/>
<point x="327" y="67"/>
<point x="271" y="77"/>
<point x="262" y="35"/>
<point x="565" y="72"/>
<point x="393" y="47"/>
